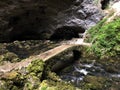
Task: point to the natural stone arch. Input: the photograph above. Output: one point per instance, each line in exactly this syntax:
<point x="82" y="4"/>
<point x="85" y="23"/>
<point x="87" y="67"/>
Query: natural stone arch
<point x="67" y="32"/>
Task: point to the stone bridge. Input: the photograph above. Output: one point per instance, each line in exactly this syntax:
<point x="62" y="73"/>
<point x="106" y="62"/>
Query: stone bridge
<point x="43" y="56"/>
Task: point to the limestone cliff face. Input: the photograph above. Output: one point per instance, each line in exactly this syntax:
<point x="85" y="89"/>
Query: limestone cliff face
<point x="46" y="19"/>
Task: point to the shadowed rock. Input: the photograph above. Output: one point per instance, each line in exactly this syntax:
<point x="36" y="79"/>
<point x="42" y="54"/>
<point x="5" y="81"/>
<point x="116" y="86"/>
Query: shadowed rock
<point x="41" y="19"/>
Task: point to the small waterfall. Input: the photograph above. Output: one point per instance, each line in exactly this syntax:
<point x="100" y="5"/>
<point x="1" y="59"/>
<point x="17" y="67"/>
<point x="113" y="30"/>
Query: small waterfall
<point x="83" y="71"/>
<point x="80" y="70"/>
<point x="78" y="73"/>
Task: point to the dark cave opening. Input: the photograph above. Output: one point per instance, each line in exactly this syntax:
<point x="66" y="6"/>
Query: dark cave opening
<point x="36" y="22"/>
<point x="28" y="33"/>
<point x="104" y="4"/>
<point x="67" y="33"/>
<point x="27" y="27"/>
<point x="24" y="35"/>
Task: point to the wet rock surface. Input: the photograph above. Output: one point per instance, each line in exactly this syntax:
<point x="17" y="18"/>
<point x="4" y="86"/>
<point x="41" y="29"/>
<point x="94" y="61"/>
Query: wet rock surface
<point x="28" y="19"/>
<point x="19" y="50"/>
<point x="86" y="73"/>
<point x="36" y="76"/>
<point x="92" y="75"/>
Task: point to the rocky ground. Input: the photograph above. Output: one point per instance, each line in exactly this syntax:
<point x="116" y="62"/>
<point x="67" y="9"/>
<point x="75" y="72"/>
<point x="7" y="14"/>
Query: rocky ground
<point x="39" y="76"/>
<point x="19" y="50"/>
<point x="23" y="20"/>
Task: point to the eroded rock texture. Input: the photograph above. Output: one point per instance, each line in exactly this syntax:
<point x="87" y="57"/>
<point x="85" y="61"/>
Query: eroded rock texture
<point x="42" y="19"/>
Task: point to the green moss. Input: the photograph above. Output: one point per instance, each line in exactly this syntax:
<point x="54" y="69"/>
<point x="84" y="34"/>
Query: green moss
<point x="34" y="75"/>
<point x="94" y="83"/>
<point x="53" y="76"/>
<point x="10" y="75"/>
<point x="29" y="80"/>
<point x="36" y="67"/>
<point x="105" y="39"/>
<point x="32" y="83"/>
<point x="9" y="56"/>
<point x="3" y="85"/>
<point x="111" y="65"/>
<point x="52" y="85"/>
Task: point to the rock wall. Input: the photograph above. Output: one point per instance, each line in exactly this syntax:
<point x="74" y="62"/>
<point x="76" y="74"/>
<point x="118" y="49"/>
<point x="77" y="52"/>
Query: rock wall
<point x="41" y="19"/>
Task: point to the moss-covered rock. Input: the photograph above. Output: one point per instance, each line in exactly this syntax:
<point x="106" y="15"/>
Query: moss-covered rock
<point x="8" y="57"/>
<point x="36" y="68"/>
<point x="94" y="83"/>
<point x="53" y="76"/>
<point x="11" y="81"/>
<point x="37" y="72"/>
<point x="110" y="65"/>
<point x="10" y="75"/>
<point x="51" y="85"/>
<point x="34" y="75"/>
<point x="32" y="82"/>
<point x="27" y="79"/>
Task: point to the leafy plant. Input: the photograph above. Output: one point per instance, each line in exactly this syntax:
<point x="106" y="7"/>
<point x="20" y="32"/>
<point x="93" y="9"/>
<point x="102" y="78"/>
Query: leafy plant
<point x="105" y="38"/>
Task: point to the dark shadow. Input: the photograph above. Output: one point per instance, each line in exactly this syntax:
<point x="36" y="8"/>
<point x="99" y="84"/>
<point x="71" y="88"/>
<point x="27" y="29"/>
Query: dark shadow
<point x="65" y="63"/>
<point x="76" y="54"/>
<point x="104" y="4"/>
<point x="67" y="33"/>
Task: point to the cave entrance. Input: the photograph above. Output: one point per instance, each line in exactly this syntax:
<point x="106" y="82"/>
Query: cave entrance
<point x="104" y="4"/>
<point x="24" y="35"/>
<point x="67" y="33"/>
<point x="27" y="27"/>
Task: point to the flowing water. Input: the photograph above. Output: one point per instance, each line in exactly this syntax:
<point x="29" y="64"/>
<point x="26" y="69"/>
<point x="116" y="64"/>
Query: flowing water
<point x="76" y="72"/>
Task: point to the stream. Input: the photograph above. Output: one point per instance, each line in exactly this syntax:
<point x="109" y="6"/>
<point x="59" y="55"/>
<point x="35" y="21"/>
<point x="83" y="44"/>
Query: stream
<point x="76" y="72"/>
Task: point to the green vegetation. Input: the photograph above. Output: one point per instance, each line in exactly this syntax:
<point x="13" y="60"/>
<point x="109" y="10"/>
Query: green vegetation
<point x="40" y="77"/>
<point x="52" y="85"/>
<point x="36" y="76"/>
<point x="36" y="67"/>
<point x="94" y="83"/>
<point x="9" y="56"/>
<point x="105" y="39"/>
